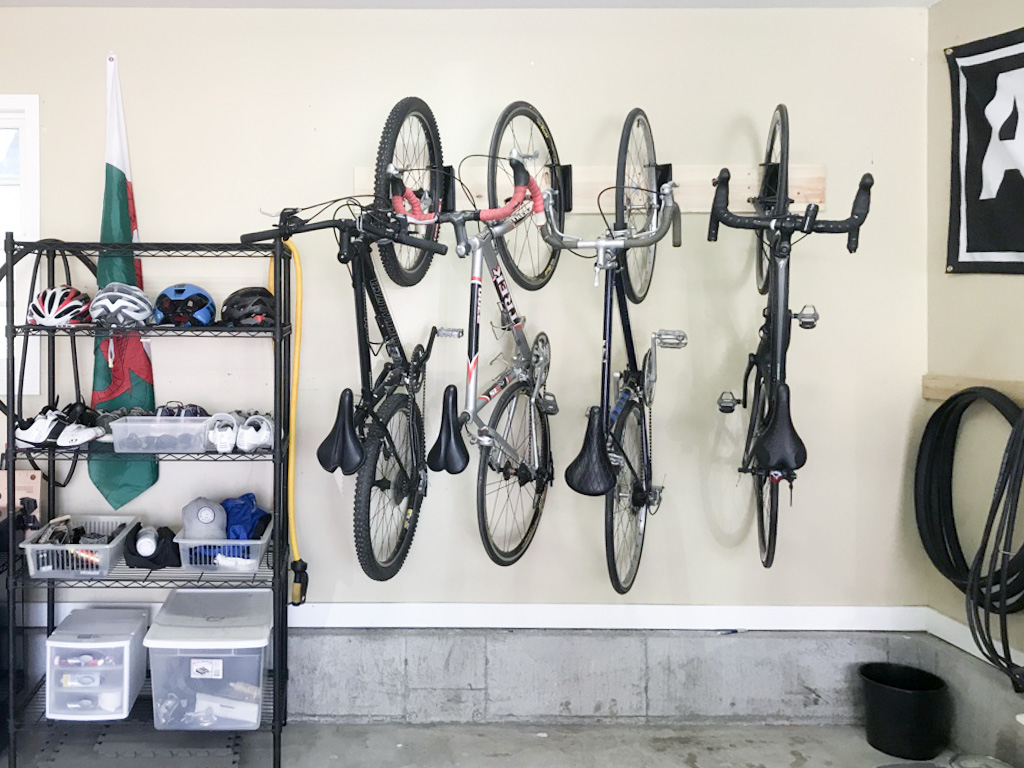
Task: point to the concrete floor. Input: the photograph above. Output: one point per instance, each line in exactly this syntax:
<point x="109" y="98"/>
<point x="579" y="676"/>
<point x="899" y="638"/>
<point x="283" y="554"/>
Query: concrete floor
<point x="309" y="745"/>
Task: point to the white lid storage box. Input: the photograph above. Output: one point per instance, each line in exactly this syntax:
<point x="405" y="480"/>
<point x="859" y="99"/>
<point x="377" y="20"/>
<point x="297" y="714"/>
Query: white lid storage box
<point x="96" y="664"/>
<point x="206" y="655"/>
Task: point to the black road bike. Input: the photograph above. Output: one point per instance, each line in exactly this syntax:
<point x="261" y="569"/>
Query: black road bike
<point x="773" y="450"/>
<point x="615" y="461"/>
<point x="380" y="439"/>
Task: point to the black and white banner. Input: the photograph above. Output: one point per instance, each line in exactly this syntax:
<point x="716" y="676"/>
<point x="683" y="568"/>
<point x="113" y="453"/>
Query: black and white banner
<point x="986" y="217"/>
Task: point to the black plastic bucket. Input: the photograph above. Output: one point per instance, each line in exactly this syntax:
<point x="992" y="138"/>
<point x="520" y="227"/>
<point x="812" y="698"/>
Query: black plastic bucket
<point x="907" y="710"/>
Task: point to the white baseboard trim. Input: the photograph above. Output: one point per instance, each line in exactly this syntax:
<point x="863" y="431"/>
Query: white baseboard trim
<point x="582" y="616"/>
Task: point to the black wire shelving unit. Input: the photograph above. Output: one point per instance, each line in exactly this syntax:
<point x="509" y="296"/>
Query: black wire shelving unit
<point x="26" y="713"/>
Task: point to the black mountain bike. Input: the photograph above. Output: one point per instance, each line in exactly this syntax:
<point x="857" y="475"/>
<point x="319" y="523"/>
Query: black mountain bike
<point x="615" y="461"/>
<point x="773" y="451"/>
<point x="381" y="438"/>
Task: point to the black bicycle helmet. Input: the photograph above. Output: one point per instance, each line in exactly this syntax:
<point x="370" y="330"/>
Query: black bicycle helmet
<point x="252" y="306"/>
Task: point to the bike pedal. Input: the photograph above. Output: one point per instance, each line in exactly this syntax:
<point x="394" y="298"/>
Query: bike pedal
<point x="450" y="333"/>
<point x="807" y="317"/>
<point x="670" y="339"/>
<point x="546" y="403"/>
<point x="727" y="402"/>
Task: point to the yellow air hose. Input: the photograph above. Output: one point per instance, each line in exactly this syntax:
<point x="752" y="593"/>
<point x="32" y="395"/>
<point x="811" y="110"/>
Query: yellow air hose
<point x="300" y="579"/>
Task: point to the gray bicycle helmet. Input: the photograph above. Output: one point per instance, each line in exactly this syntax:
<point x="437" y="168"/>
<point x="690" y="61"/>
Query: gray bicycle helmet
<point x="122" y="305"/>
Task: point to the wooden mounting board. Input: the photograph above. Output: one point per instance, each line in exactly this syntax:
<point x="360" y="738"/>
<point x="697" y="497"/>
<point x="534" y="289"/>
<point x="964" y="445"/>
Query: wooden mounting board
<point x="936" y="386"/>
<point x="694" y="195"/>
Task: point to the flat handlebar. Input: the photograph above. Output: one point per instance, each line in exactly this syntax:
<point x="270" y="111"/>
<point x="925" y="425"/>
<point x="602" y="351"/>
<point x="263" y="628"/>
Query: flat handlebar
<point x="791" y="222"/>
<point x="669" y="218"/>
<point x="291" y="224"/>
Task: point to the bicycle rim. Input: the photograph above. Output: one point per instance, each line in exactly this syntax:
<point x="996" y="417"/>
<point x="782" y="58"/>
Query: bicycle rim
<point x="510" y="497"/>
<point x="411" y="142"/>
<point x="625" y="510"/>
<point x="530" y="261"/>
<point x="773" y="189"/>
<point x="636" y="199"/>
<point x="388" y="497"/>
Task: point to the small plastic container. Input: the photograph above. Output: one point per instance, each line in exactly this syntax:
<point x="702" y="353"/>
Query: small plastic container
<point x="78" y="561"/>
<point x="96" y="664"/>
<point x="222" y="555"/>
<point x="160" y="434"/>
<point x="207" y="653"/>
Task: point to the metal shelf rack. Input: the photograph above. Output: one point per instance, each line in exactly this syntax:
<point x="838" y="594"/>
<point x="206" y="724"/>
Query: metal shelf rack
<point x="272" y="571"/>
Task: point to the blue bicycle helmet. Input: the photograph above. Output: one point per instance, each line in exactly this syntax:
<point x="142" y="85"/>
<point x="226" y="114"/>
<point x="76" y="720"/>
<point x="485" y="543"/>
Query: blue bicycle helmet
<point x="184" y="304"/>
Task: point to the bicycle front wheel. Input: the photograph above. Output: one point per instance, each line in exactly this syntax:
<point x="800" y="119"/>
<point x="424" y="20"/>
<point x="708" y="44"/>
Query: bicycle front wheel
<point x="773" y="189"/>
<point x="529" y="260"/>
<point x="636" y="199"/>
<point x="625" y="506"/>
<point x="389" y="490"/>
<point x="766" y="493"/>
<point x="510" y="493"/>
<point x="411" y="143"/>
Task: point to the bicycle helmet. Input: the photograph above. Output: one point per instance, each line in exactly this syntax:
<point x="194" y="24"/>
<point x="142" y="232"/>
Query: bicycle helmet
<point x="249" y="307"/>
<point x="122" y="305"/>
<point x="185" y="304"/>
<point x="63" y="305"/>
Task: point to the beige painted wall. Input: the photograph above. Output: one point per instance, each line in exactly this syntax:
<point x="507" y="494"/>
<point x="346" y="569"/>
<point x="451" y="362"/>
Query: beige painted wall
<point x="232" y="111"/>
<point x="970" y="317"/>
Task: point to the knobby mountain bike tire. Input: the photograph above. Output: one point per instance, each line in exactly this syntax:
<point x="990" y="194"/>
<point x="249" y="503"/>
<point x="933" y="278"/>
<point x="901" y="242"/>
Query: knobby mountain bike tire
<point x="388" y="498"/>
<point x="625" y="506"/>
<point x="773" y="189"/>
<point x="636" y="199"/>
<point x="510" y="499"/>
<point x="411" y="142"/>
<point x="528" y="258"/>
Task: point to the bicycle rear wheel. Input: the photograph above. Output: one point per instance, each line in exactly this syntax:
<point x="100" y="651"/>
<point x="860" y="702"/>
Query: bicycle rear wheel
<point x="625" y="506"/>
<point x="526" y="256"/>
<point x="510" y="495"/>
<point x="773" y="190"/>
<point x="389" y="491"/>
<point x="636" y="199"/>
<point x="766" y="493"/>
<point x="411" y="142"/>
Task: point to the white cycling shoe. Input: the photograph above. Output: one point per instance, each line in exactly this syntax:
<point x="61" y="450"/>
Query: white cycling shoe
<point x="255" y="434"/>
<point x="221" y="431"/>
<point x="51" y="430"/>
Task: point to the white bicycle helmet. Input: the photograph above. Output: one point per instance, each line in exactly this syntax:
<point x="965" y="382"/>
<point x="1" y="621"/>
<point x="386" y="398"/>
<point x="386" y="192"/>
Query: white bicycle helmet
<point x="63" y="305"/>
<point x="122" y="305"/>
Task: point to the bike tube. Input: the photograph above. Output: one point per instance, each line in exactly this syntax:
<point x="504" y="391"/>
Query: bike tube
<point x="473" y="335"/>
<point x="610" y="279"/>
<point x="779" y="316"/>
<point x="506" y="303"/>
<point x="627" y="328"/>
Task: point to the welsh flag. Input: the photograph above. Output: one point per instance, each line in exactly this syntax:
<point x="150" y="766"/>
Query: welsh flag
<point x="122" y="373"/>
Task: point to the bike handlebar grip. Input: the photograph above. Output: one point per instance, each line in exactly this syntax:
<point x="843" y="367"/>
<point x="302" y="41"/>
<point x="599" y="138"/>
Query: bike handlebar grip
<point x="861" y="206"/>
<point x="677" y="228"/>
<point x="520" y="176"/>
<point x="255" y="237"/>
<point x="427" y="245"/>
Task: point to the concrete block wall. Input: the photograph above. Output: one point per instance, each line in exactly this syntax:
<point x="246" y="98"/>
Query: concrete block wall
<point x="420" y="676"/>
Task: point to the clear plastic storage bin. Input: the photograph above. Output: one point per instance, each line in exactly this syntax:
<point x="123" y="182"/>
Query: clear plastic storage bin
<point x="160" y="434"/>
<point x="96" y="664"/>
<point x="207" y="653"/>
<point x="222" y="555"/>
<point x="78" y="561"/>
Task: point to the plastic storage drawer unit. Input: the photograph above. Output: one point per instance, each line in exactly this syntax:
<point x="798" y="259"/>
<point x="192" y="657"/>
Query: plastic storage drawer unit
<point x="206" y="656"/>
<point x="96" y="664"/>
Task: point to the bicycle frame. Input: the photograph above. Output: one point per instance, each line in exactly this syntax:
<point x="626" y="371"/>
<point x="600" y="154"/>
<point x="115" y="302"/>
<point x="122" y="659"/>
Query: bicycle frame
<point x="483" y="253"/>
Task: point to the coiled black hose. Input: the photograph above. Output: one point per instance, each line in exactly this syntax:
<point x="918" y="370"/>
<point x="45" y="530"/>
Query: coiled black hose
<point x="993" y="581"/>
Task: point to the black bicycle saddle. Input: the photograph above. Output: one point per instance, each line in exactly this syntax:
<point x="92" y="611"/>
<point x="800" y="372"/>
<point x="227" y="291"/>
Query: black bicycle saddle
<point x="591" y="473"/>
<point x="449" y="453"/>
<point x="779" y="447"/>
<point x="342" y="446"/>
